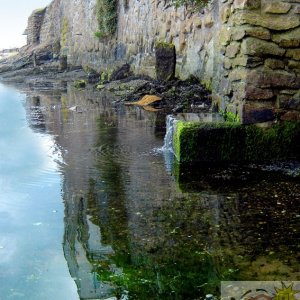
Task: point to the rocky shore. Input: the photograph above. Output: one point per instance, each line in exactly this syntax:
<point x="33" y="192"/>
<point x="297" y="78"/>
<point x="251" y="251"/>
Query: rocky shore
<point x="44" y="71"/>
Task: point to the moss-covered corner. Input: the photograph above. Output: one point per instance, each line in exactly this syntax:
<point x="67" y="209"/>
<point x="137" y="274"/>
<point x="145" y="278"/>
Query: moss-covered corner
<point x="80" y="84"/>
<point x="234" y="142"/>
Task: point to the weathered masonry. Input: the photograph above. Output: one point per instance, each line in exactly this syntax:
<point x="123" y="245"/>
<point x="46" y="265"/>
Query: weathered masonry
<point x="246" y="51"/>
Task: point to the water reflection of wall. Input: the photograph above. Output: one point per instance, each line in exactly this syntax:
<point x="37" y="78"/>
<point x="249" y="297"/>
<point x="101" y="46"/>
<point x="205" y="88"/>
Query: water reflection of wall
<point x="121" y="203"/>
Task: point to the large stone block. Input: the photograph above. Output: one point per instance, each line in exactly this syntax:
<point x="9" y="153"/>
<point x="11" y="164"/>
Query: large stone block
<point x="290" y="39"/>
<point x="165" y="61"/>
<point x="247" y="4"/>
<point x="260" y="48"/>
<point x="196" y="141"/>
<point x="273" y="79"/>
<point x="233" y="49"/>
<point x="277" y="8"/>
<point x="293" y="53"/>
<point x="246" y="61"/>
<point x="273" y="22"/>
<point x="240" y="32"/>
<point x="274" y="64"/>
<point x="255" y="93"/>
<point x="253" y="113"/>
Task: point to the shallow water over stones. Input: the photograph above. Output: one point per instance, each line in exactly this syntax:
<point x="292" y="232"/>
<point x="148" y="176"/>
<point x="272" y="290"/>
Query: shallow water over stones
<point x="132" y="223"/>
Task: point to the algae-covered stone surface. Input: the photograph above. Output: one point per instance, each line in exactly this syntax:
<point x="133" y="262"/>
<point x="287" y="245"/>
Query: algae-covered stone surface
<point x="234" y="142"/>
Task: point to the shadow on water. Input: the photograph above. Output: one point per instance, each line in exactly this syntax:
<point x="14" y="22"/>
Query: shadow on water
<point x="140" y="227"/>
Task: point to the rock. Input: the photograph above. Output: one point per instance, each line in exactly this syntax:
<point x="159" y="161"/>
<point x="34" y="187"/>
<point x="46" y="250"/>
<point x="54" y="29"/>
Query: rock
<point x="253" y="114"/>
<point x="121" y="73"/>
<point x="291" y="116"/>
<point x="273" y="63"/>
<point x="63" y="62"/>
<point x="293" y="53"/>
<point x="294" y="103"/>
<point x="80" y="84"/>
<point x="246" y="61"/>
<point x="178" y="109"/>
<point x="257" y="47"/>
<point x="93" y="77"/>
<point x="233" y="49"/>
<point x="277" y="8"/>
<point x="273" y="79"/>
<point x="246" y="4"/>
<point x="290" y="39"/>
<point x="274" y="22"/>
<point x="255" y="93"/>
<point x="295" y="65"/>
<point x="245" y="30"/>
<point x="165" y="61"/>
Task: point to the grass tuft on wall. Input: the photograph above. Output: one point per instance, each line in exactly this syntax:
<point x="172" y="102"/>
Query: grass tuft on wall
<point x="107" y="17"/>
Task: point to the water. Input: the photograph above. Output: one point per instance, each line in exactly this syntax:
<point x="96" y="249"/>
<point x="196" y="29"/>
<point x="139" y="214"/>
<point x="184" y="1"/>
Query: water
<point x="32" y="264"/>
<point x="168" y="140"/>
<point x="90" y="211"/>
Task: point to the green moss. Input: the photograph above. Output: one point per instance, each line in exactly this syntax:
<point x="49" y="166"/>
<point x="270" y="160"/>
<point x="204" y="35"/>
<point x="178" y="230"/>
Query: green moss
<point x="231" y="141"/>
<point x="207" y="84"/>
<point x="40" y="11"/>
<point x="80" y="84"/>
<point x="107" y="17"/>
<point x="230" y="116"/>
<point x="165" y="45"/>
<point x="65" y="28"/>
<point x="191" y="3"/>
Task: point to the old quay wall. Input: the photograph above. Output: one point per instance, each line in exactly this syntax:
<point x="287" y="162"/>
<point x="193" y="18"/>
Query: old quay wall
<point x="246" y="51"/>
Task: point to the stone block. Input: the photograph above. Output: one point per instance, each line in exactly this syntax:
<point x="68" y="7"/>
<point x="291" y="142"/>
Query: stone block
<point x="246" y="61"/>
<point x="273" y="22"/>
<point x="256" y="47"/>
<point x="233" y="49"/>
<point x="196" y="141"/>
<point x="238" y="74"/>
<point x="224" y="37"/>
<point x="273" y="79"/>
<point x="292" y="116"/>
<point x="243" y="31"/>
<point x="274" y="64"/>
<point x="255" y="93"/>
<point x="253" y="114"/>
<point x="165" y="61"/>
<point x="208" y="21"/>
<point x="294" y="102"/>
<point x="277" y="8"/>
<point x="293" y="53"/>
<point x="290" y="39"/>
<point x="247" y="4"/>
<point x="293" y="64"/>
<point x="225" y="13"/>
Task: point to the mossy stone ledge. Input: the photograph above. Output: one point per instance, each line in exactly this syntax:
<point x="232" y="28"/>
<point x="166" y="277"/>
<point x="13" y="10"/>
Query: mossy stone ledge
<point x="234" y="142"/>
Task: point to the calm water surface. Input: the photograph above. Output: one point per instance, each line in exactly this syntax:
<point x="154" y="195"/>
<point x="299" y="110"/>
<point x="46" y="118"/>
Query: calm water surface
<point x="90" y="210"/>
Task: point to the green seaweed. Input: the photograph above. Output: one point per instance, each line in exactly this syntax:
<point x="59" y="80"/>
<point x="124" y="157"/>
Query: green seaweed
<point x="231" y="141"/>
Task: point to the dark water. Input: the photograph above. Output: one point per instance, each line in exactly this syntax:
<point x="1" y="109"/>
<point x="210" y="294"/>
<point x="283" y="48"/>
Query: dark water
<point x="90" y="210"/>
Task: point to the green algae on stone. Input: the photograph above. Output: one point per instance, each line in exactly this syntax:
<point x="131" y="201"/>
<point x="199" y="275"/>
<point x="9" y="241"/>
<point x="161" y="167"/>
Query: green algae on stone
<point x="234" y="142"/>
<point x="80" y="84"/>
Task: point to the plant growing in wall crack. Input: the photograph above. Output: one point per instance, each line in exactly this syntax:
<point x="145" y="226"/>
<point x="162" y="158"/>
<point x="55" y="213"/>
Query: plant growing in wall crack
<point x="191" y="3"/>
<point x="64" y="32"/>
<point x="107" y="17"/>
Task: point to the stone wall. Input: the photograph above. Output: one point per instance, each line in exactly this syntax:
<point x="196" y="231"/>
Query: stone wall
<point x="245" y="51"/>
<point x="33" y="30"/>
<point x="262" y="59"/>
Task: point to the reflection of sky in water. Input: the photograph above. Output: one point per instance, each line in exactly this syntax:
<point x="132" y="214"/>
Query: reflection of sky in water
<point x="32" y="264"/>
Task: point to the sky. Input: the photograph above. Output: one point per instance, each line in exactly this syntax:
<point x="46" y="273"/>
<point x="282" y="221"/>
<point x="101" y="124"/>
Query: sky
<point x="13" y="20"/>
